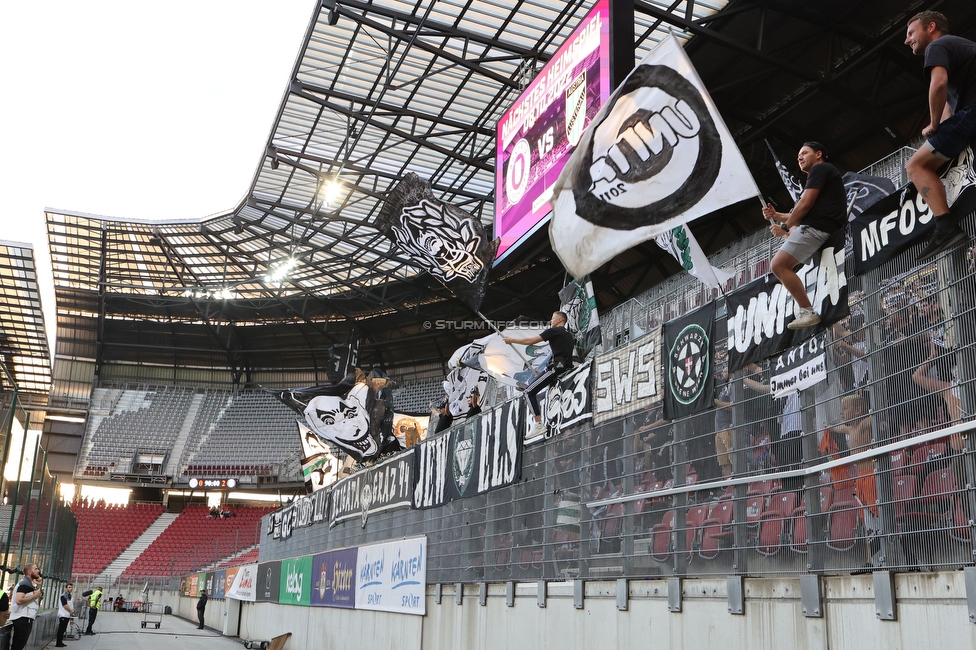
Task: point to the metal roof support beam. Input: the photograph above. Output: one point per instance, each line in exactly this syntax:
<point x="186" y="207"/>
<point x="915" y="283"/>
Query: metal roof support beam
<point x="298" y="90"/>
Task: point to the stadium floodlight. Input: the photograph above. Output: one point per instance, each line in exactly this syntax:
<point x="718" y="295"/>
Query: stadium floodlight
<point x="330" y="192"/>
<point x="281" y="272"/>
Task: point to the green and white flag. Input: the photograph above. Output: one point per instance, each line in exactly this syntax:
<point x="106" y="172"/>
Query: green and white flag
<point x="579" y="304"/>
<point x="684" y="247"/>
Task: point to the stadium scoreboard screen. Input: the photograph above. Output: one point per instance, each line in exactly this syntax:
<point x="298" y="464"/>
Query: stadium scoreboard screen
<point x="213" y="483"/>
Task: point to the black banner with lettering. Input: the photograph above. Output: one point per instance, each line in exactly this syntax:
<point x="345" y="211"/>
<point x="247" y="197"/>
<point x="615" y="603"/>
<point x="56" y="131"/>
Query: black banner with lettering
<point x="481" y="455"/>
<point x="383" y="486"/>
<point x="689" y="351"/>
<point x="758" y="313"/>
<point x="889" y="227"/>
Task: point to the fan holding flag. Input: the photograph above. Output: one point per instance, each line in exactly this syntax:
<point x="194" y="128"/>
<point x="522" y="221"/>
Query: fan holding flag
<point x="820" y="212"/>
<point x="561" y="342"/>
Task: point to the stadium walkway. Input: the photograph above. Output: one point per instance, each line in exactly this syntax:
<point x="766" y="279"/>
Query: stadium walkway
<point x="122" y="631"/>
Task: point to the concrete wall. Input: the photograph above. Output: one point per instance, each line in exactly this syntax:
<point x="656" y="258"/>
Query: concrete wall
<point x="931" y="613"/>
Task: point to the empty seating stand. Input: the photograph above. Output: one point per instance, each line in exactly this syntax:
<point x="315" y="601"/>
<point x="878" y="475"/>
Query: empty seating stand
<point x="104" y="531"/>
<point x="193" y="541"/>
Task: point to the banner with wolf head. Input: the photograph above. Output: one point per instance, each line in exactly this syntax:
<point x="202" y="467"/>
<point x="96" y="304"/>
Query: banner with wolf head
<point x="656" y="156"/>
<point x="444" y="240"/>
<point x="340" y="415"/>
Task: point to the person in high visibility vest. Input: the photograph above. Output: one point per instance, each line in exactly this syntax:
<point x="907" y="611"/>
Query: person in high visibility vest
<point x="94" y="604"/>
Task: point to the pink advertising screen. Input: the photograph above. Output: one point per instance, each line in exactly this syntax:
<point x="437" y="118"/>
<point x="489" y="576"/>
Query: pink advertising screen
<point x="538" y="133"/>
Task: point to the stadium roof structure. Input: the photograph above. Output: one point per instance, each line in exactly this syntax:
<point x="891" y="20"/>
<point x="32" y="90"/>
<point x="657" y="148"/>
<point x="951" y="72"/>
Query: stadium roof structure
<point x="387" y="87"/>
<point x="23" y="342"/>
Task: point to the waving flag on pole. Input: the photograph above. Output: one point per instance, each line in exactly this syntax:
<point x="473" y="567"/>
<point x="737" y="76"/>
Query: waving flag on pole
<point x="579" y="304"/>
<point x="684" y="247"/>
<point x="793" y="186"/>
<point x="656" y="156"/>
<point x="439" y="238"/>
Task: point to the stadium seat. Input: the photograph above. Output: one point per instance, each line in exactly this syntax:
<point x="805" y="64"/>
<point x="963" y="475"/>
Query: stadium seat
<point x="773" y="524"/>
<point x="661" y="540"/>
<point x="717" y="531"/>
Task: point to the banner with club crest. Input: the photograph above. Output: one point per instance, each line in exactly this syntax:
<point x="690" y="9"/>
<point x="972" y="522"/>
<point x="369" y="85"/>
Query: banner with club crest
<point x="482" y="455"/>
<point x="380" y="487"/>
<point x="689" y="352"/>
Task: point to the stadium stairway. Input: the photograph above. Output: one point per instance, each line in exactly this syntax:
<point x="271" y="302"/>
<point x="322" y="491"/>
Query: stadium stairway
<point x="136" y="548"/>
<point x="174" y="457"/>
<point x="248" y="555"/>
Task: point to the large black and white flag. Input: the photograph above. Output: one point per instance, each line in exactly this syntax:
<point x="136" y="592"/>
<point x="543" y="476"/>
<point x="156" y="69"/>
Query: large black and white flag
<point x="903" y="219"/>
<point x="579" y="304"/>
<point x="689" y="352"/>
<point x="440" y="238"/>
<point x="657" y="155"/>
<point x="758" y="313"/>
<point x="339" y="414"/>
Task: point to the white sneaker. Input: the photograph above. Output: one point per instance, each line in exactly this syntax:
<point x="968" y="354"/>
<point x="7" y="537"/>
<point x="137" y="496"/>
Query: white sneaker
<point x="806" y="318"/>
<point x="539" y="429"/>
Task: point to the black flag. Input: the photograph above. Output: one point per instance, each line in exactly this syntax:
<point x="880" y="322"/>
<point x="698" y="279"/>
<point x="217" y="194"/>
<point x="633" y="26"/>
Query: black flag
<point x="689" y="352"/>
<point x="440" y="238"/>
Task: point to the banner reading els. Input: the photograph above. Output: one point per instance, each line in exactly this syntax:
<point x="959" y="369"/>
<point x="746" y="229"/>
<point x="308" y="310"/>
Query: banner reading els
<point x="536" y="136"/>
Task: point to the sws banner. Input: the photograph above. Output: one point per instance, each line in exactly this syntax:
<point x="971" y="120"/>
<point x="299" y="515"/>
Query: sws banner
<point x="483" y="454"/>
<point x="758" y="313"/>
<point x="384" y="486"/>
<point x="689" y="351"/>
<point x="628" y="379"/>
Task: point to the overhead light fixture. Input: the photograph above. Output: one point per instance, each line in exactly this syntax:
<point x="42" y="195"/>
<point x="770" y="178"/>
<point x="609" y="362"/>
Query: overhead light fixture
<point x="330" y="192"/>
<point x="66" y="418"/>
<point x="333" y="16"/>
<point x="281" y="272"/>
<point x="274" y="163"/>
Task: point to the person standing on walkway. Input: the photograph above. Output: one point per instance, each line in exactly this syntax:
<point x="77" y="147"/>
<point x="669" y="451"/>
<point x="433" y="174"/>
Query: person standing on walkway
<point x="94" y="604"/>
<point x="65" y="611"/>
<point x="23" y="609"/>
<point x="201" y="606"/>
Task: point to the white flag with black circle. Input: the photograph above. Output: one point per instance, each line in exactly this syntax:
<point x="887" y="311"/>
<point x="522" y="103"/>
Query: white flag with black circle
<point x="656" y="156"/>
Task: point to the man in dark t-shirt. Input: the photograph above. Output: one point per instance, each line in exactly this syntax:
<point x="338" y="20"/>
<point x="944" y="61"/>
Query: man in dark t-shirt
<point x="561" y="343"/>
<point x="820" y="212"/>
<point x="950" y="63"/>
